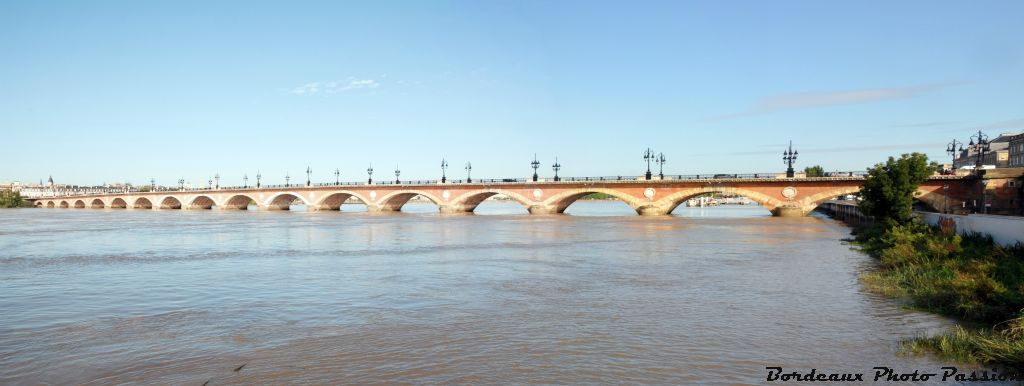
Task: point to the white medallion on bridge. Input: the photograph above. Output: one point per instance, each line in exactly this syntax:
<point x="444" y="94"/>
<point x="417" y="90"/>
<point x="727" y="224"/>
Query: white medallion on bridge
<point x="446" y="195"/>
<point x="789" y="192"/>
<point x="537" y="194"/>
<point x="649" y="193"/>
<point x="373" y="194"/>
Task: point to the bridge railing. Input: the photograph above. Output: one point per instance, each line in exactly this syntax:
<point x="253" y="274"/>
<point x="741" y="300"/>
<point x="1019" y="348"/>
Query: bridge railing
<point x="85" y="191"/>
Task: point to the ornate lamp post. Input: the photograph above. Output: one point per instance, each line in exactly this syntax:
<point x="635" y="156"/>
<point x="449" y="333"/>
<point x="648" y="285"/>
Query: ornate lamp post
<point x="258" y="177"/>
<point x="181" y="184"/>
<point x="152" y="184"/>
<point x="369" y="172"/>
<point x="648" y="157"/>
<point x="954" y="148"/>
<point x="209" y="183"/>
<point x="308" y="171"/>
<point x="469" y="169"/>
<point x="535" y="164"/>
<point x="287" y="180"/>
<point x="397" y="173"/>
<point x="556" y="166"/>
<point x="217" y="178"/>
<point x="337" y="176"/>
<point x="981" y="145"/>
<point x="245" y="181"/>
<point x="661" y="165"/>
<point x="444" y="166"/>
<point x="788" y="157"/>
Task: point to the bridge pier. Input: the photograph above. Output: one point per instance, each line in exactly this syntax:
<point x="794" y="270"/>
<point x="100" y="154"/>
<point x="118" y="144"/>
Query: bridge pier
<point x="789" y="211"/>
<point x="542" y="209"/>
<point x="652" y="210"/>
<point x="456" y="208"/>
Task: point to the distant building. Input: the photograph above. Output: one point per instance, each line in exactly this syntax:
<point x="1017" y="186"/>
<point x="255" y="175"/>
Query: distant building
<point x="1016" y="150"/>
<point x="997" y="155"/>
<point x="1004" y="192"/>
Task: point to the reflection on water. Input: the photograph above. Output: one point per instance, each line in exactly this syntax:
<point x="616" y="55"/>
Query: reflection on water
<point x="708" y="296"/>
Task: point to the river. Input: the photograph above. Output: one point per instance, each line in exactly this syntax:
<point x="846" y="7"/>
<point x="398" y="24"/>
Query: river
<point x="707" y="296"/>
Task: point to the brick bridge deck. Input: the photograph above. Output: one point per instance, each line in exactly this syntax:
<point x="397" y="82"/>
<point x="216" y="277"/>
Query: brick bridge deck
<point x="782" y="196"/>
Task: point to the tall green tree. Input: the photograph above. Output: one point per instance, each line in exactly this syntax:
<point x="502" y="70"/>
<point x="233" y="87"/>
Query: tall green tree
<point x="888" y="191"/>
<point x="814" y="171"/>
<point x="10" y="199"/>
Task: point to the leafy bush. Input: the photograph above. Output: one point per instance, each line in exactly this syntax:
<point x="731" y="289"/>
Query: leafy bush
<point x="10" y="199"/>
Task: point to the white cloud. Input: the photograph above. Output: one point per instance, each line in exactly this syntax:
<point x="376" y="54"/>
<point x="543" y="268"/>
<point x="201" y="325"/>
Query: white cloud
<point x="1007" y="124"/>
<point x="834" y="98"/>
<point x="332" y="87"/>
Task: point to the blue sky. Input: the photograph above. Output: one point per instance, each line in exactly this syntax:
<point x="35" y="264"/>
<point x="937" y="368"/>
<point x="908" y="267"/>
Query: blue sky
<point x="103" y="91"/>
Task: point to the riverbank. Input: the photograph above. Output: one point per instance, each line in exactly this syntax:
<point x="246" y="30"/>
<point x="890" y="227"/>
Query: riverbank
<point x="968" y="277"/>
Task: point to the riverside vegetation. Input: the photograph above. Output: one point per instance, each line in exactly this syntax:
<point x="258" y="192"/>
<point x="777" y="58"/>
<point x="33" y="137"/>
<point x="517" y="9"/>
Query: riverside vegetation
<point x="964" y="276"/>
<point x="10" y="199"/>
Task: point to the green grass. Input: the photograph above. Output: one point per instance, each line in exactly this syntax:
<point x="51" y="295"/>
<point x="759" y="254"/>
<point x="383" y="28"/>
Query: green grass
<point x="598" y="196"/>
<point x="990" y="346"/>
<point x="968" y="277"/>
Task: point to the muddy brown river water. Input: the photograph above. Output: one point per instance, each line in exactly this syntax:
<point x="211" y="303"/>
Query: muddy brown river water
<point x="707" y="296"/>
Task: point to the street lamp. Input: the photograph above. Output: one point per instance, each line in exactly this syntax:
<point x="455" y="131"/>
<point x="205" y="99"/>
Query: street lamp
<point x="397" y="173"/>
<point x="661" y="166"/>
<point x="209" y="184"/>
<point x="152" y="184"/>
<point x="535" y="164"/>
<point x="308" y="171"/>
<point x="369" y="172"/>
<point x="788" y="157"/>
<point x="245" y="181"/>
<point x="981" y="145"/>
<point x="954" y="148"/>
<point x="444" y="166"/>
<point x="258" y="177"/>
<point x="556" y="166"/>
<point x="469" y="169"/>
<point x="287" y="179"/>
<point x="648" y="157"/>
<point x="337" y="176"/>
<point x="217" y="177"/>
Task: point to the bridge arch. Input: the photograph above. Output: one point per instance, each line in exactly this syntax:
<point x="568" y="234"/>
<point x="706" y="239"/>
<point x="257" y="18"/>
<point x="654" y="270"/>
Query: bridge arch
<point x="142" y="203"/>
<point x="560" y="202"/>
<point x="51" y="204"/>
<point x="202" y="202"/>
<point x="79" y="204"/>
<point x="394" y="201"/>
<point x="284" y="200"/>
<point x="812" y="202"/>
<point x="118" y="203"/>
<point x="39" y="204"/>
<point x="170" y="202"/>
<point x="669" y="203"/>
<point x="334" y="200"/>
<point x="65" y="204"/>
<point x="238" y="202"/>
<point x="467" y="202"/>
<point x="935" y="201"/>
<point x="97" y="204"/>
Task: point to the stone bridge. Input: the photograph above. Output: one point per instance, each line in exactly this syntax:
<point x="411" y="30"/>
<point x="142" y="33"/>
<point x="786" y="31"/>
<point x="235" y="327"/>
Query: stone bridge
<point x="782" y="196"/>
